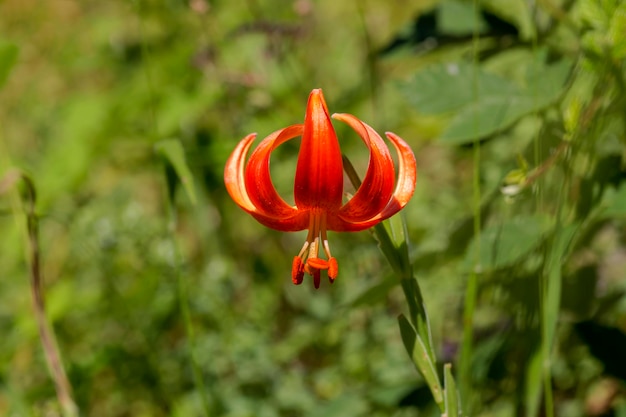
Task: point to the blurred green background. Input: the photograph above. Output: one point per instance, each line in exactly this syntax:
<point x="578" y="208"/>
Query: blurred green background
<point x="516" y="112"/>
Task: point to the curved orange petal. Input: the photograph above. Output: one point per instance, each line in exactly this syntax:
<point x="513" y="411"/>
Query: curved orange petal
<point x="234" y="174"/>
<point x="290" y="224"/>
<point x="377" y="186"/>
<point x="319" y="173"/>
<point x="258" y="181"/>
<point x="407" y="176"/>
<point x="234" y="179"/>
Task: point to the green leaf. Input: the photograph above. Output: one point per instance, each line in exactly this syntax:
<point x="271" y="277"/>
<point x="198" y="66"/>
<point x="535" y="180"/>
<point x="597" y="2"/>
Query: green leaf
<point x="617" y="29"/>
<point x="418" y="314"/>
<point x="8" y="58"/>
<point x="397" y="228"/>
<point x="504" y="244"/>
<point x="459" y="18"/>
<point x="484" y="103"/>
<point x="532" y="384"/>
<point x="553" y="281"/>
<point x="614" y="202"/>
<point x="544" y="83"/>
<point x="445" y="88"/>
<point x="489" y="115"/>
<point x="421" y="358"/>
<point x="391" y="237"/>
<point x="172" y="150"/>
<point x="451" y="396"/>
<point x="515" y="11"/>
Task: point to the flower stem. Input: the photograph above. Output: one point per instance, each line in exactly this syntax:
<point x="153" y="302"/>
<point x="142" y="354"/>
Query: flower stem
<point x="46" y="334"/>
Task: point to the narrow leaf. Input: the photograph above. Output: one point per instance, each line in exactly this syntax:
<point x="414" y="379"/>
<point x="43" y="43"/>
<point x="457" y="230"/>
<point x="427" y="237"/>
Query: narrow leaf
<point x="451" y="396"/>
<point x="174" y="153"/>
<point x="532" y="385"/>
<point x="554" y="264"/>
<point x="419" y="354"/>
<point x="418" y="316"/>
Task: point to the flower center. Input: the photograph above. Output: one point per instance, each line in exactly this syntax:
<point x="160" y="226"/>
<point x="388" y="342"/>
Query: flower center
<point x="308" y="260"/>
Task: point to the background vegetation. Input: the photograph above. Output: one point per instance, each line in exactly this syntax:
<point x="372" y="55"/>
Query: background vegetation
<point x="170" y="301"/>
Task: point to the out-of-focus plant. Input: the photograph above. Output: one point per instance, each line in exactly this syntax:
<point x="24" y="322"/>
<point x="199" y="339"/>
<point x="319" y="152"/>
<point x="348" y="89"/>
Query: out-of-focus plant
<point x="515" y="111"/>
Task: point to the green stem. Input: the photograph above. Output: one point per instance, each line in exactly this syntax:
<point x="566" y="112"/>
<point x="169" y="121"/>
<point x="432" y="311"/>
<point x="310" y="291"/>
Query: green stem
<point x="184" y="308"/>
<point x="471" y="292"/>
<point x="46" y="333"/>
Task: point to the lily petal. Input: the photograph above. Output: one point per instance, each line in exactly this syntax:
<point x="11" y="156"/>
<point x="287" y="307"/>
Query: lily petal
<point x="258" y="182"/>
<point x="407" y="176"/>
<point x="234" y="174"/>
<point x="236" y="187"/>
<point x="319" y="172"/>
<point x="290" y="224"/>
<point x="377" y="186"/>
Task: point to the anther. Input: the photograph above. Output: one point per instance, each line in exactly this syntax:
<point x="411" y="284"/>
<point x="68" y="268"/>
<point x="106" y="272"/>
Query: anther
<point x="333" y="269"/>
<point x="297" y="270"/>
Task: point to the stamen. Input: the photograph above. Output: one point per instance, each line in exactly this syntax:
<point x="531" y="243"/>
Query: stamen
<point x="304" y="249"/>
<point x="333" y="269"/>
<point x="297" y="270"/>
<point x="308" y="260"/>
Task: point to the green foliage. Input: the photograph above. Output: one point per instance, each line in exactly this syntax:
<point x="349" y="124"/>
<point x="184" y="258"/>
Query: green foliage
<point x="174" y="154"/>
<point x="167" y="300"/>
<point x="452" y="406"/>
<point x="506" y="243"/>
<point x="483" y="103"/>
<point x="8" y="56"/>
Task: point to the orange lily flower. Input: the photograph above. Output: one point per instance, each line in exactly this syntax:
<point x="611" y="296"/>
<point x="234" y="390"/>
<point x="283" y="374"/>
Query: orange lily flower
<point x="318" y="189"/>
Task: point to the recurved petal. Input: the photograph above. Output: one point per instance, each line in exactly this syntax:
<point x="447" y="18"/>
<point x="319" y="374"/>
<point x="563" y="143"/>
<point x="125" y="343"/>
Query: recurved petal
<point x="257" y="179"/>
<point x="407" y="176"/>
<point x="319" y="172"/>
<point x="377" y="186"/>
<point x="290" y="224"/>
<point x="234" y="179"/>
<point x="234" y="174"/>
